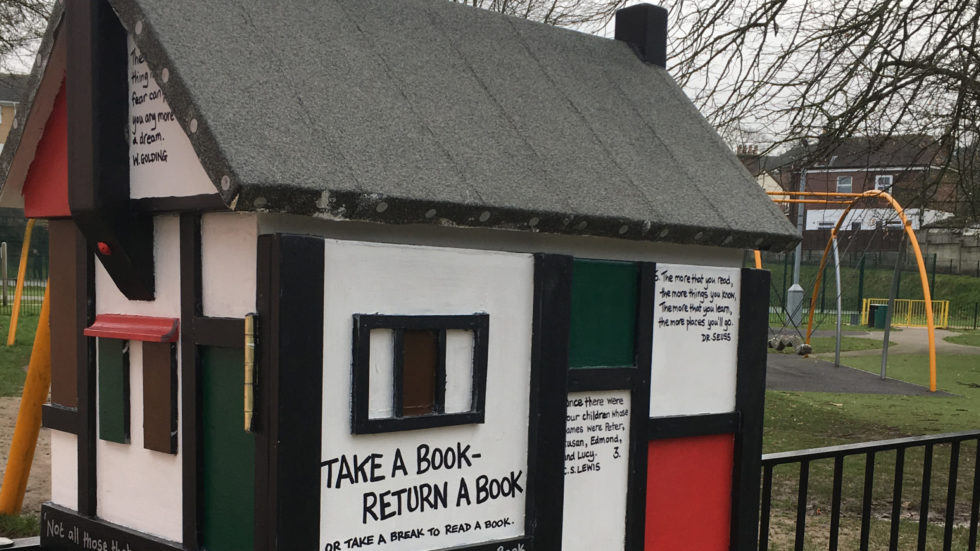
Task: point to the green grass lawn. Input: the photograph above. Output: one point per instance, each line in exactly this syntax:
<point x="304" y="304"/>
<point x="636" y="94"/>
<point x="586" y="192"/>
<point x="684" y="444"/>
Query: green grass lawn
<point x="970" y="339"/>
<point x="13" y="370"/>
<point x="796" y="420"/>
<point x="19" y="526"/>
<point x="14" y="359"/>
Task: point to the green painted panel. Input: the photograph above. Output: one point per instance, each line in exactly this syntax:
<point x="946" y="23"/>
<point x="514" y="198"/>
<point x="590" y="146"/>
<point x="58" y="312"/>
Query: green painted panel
<point x="603" y="324"/>
<point x="228" y="454"/>
<point x="114" y="390"/>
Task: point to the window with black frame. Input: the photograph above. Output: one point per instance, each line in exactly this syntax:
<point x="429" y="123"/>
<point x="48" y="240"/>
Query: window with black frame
<point x="413" y="372"/>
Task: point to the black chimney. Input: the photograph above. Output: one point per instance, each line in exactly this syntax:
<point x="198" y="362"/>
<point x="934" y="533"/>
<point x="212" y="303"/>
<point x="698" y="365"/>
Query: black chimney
<point x="644" y="28"/>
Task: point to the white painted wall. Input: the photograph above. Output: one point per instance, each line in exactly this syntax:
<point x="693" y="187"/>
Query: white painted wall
<point x="162" y="161"/>
<point x="228" y="263"/>
<point x="166" y="263"/>
<point x="139" y="488"/>
<point x="393" y="279"/>
<point x="64" y="469"/>
<point x="595" y="500"/>
<point x="694" y="367"/>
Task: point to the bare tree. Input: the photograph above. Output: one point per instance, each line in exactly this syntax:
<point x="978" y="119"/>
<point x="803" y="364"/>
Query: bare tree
<point x="579" y="14"/>
<point x="824" y="70"/>
<point x="22" y="23"/>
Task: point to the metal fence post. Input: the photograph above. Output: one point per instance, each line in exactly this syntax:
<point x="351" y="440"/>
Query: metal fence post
<point x="785" y="275"/>
<point x="3" y="270"/>
<point x="823" y="291"/>
<point x="976" y="311"/>
<point x="861" y="281"/>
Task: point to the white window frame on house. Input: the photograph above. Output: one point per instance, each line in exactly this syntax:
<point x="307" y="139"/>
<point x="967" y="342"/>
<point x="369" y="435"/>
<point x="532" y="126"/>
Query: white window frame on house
<point x="883" y="182"/>
<point x="849" y="186"/>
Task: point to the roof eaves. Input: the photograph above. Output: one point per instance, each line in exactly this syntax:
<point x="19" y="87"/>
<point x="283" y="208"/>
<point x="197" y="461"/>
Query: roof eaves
<point x="369" y="207"/>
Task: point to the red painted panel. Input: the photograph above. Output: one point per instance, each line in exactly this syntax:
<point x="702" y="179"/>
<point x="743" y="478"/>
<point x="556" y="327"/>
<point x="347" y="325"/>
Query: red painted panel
<point x="136" y="328"/>
<point x="689" y="486"/>
<point x="46" y="185"/>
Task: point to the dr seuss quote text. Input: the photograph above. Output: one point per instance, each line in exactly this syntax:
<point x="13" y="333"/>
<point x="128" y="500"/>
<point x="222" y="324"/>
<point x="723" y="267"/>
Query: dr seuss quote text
<point x="697" y="302"/>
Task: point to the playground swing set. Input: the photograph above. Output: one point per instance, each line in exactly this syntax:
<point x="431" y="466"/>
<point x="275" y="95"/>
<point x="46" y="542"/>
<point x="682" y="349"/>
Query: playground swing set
<point x="850" y="200"/>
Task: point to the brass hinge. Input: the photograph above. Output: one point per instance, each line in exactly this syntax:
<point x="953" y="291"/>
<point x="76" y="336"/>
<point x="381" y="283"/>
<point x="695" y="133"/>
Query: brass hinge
<point x="249" y="370"/>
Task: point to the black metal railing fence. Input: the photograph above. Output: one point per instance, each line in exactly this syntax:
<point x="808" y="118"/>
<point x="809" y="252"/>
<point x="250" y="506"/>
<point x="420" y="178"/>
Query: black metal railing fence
<point x="35" y="278"/>
<point x="884" y="492"/>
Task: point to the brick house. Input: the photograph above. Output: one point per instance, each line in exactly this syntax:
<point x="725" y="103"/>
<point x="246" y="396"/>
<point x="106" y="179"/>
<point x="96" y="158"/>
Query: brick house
<point x="11" y="88"/>
<point x="909" y="167"/>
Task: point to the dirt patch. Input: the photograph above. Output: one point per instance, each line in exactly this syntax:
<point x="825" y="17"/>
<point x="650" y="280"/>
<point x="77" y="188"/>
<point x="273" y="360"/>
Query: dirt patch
<point x="39" y="484"/>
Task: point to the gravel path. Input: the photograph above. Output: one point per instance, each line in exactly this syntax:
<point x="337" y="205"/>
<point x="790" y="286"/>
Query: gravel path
<point x="818" y="374"/>
<point x="39" y="484"/>
<point x="911" y="340"/>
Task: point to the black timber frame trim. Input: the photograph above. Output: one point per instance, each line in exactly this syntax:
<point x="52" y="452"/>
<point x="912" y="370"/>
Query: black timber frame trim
<point x="601" y="378"/>
<point x="59" y="418"/>
<point x="87" y="384"/>
<point x="361" y="423"/>
<point x="684" y="426"/>
<point x="196" y="331"/>
<point x="190" y="309"/>
<point x="636" y="502"/>
<point x="509" y="545"/>
<point x="549" y="392"/>
<point x="636" y="380"/>
<point x="225" y="332"/>
<point x="192" y="203"/>
<point x="290" y="289"/>
<point x="98" y="163"/>
<point x="266" y="416"/>
<point x="750" y="397"/>
<point x="110" y="536"/>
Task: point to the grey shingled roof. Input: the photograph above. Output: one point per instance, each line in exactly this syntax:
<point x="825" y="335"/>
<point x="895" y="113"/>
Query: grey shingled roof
<point x="427" y="111"/>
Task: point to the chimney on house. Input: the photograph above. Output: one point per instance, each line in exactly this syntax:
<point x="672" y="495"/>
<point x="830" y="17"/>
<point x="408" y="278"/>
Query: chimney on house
<point x="644" y="28"/>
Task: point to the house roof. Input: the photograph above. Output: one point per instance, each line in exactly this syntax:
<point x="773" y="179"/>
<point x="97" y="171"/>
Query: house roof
<point x="12" y="87"/>
<point x="903" y="151"/>
<point x="428" y="111"/>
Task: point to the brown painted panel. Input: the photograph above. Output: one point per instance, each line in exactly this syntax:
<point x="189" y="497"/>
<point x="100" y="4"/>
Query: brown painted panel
<point x="66" y="248"/>
<point x="160" y="397"/>
<point x="420" y="358"/>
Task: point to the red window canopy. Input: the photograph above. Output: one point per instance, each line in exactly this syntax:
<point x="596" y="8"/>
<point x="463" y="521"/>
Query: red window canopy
<point x="137" y="328"/>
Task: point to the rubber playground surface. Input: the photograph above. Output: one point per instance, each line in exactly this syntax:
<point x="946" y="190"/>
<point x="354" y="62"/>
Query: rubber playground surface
<point x="790" y="372"/>
<point x="796" y="373"/>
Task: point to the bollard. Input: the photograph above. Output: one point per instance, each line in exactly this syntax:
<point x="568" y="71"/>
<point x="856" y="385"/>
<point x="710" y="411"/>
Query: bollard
<point x="794" y="304"/>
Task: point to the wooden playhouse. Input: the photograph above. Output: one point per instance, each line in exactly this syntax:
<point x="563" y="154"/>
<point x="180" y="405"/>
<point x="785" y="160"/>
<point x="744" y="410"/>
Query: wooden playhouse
<point x="395" y="275"/>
